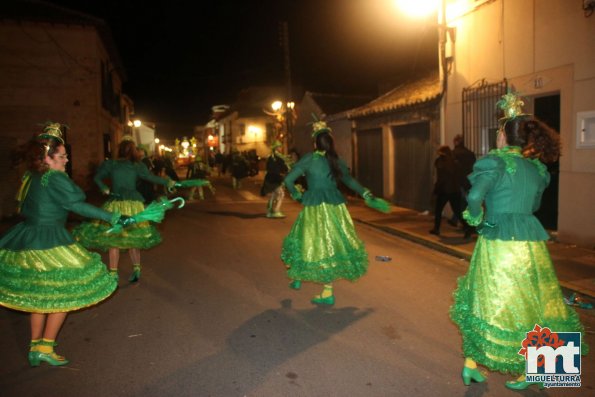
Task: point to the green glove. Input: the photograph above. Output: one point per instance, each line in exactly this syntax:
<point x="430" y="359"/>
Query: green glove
<point x="376" y="203"/>
<point x="297" y="196"/>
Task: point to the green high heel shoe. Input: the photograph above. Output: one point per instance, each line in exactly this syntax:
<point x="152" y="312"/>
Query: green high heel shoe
<point x="135" y="276"/>
<point x="35" y="358"/>
<point x="295" y="284"/>
<point x="319" y="300"/>
<point x="521" y="384"/>
<point x="472" y="374"/>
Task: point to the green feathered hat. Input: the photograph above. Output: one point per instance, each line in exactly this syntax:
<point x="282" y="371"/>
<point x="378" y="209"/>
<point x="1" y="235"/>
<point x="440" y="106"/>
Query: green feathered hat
<point x="52" y="130"/>
<point x="319" y="126"/>
<point x="276" y="144"/>
<point x="512" y="106"/>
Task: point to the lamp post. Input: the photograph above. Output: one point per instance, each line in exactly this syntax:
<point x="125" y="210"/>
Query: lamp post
<point x="156" y="149"/>
<point x="420" y="8"/>
<point x="284" y="114"/>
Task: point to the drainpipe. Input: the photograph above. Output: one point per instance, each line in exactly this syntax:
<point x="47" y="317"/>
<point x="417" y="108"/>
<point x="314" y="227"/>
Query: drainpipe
<point x="443" y="70"/>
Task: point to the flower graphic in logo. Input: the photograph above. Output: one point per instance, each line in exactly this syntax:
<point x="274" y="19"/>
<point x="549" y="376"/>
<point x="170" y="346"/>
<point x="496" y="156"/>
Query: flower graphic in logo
<point x="540" y="337"/>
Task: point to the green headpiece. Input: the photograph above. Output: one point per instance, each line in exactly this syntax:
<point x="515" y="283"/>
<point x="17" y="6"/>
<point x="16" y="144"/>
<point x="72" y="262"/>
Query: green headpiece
<point x="127" y="138"/>
<point x="319" y="126"/>
<point x="512" y="106"/>
<point x="275" y="145"/>
<point x="52" y="131"/>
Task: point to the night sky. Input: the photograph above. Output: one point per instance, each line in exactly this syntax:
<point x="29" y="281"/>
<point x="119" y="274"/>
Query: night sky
<point x="182" y="57"/>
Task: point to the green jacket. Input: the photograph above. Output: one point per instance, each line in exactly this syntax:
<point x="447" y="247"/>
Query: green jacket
<point x="46" y="205"/>
<point x="322" y="188"/>
<point x="124" y="174"/>
<point x="510" y="186"/>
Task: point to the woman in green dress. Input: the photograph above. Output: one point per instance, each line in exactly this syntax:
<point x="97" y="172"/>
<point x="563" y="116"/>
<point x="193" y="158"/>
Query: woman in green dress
<point x="43" y="271"/>
<point x="511" y="284"/>
<point x="125" y="198"/>
<point x="322" y="245"/>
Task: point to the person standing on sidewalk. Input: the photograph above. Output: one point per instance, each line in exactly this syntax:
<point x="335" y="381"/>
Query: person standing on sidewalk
<point x="445" y="187"/>
<point x="276" y="167"/>
<point x="124" y="173"/>
<point x="322" y="245"/>
<point x="464" y="160"/>
<point x="43" y="271"/>
<point x="511" y="284"/>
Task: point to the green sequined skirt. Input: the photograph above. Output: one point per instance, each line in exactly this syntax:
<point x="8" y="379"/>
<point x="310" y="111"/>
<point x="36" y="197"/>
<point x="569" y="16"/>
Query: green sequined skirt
<point x="93" y="234"/>
<point x="510" y="287"/>
<point x="322" y="246"/>
<point x="60" y="279"/>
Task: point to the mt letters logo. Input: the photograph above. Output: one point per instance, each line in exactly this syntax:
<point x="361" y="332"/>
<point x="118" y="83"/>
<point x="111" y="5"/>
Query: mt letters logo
<point x="553" y="358"/>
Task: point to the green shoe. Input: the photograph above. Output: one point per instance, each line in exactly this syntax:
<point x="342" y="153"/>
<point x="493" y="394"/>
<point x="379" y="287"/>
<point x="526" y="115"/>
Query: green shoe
<point x="52" y="358"/>
<point x="318" y="300"/>
<point x="521" y="385"/>
<point x="472" y="374"/>
<point x="135" y="276"/>
<point x="277" y="215"/>
<point x="295" y="284"/>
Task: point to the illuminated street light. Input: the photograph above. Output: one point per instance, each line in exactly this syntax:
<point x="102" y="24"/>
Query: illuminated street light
<point x="418" y="8"/>
<point x="156" y="140"/>
<point x="137" y="123"/>
<point x="422" y="8"/>
<point x="284" y="114"/>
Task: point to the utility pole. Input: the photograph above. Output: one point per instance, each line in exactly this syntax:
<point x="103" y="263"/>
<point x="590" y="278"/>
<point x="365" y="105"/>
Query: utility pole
<point x="284" y="31"/>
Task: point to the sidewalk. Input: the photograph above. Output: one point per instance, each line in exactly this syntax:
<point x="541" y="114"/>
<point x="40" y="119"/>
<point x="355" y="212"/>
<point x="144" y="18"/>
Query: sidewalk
<point x="575" y="266"/>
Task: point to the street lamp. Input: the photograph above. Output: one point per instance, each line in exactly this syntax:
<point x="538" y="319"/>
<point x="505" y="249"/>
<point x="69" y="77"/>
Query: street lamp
<point x="156" y="146"/>
<point x="284" y="114"/>
<point x="417" y="8"/>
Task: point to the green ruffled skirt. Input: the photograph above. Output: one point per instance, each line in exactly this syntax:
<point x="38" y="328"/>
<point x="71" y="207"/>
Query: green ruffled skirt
<point x="322" y="246"/>
<point x="510" y="287"/>
<point x="60" y="279"/>
<point x="93" y="234"/>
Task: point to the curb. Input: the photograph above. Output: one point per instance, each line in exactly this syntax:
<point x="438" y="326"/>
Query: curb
<point x="419" y="240"/>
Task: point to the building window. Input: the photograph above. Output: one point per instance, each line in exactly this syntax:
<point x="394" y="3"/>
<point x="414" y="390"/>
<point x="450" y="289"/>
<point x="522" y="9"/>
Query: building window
<point x="480" y="115"/>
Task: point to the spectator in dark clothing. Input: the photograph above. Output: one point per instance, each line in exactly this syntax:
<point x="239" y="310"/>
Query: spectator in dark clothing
<point x="158" y="165"/>
<point x="227" y="159"/>
<point x="219" y="163"/>
<point x="464" y="159"/>
<point x="446" y="187"/>
<point x="169" y="168"/>
<point x="239" y="169"/>
<point x="146" y="188"/>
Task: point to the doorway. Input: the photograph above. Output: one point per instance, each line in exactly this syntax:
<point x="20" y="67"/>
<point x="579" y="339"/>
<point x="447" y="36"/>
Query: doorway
<point x="369" y="160"/>
<point x="547" y="109"/>
<point x="413" y="166"/>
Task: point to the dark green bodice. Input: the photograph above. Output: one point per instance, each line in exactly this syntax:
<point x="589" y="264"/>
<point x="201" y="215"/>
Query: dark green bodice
<point x="124" y="174"/>
<point x="322" y="188"/>
<point x="49" y="199"/>
<point x="511" y="187"/>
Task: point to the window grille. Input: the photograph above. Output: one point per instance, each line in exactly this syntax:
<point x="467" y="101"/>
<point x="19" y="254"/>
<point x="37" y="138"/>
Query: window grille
<point x="480" y="115"/>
